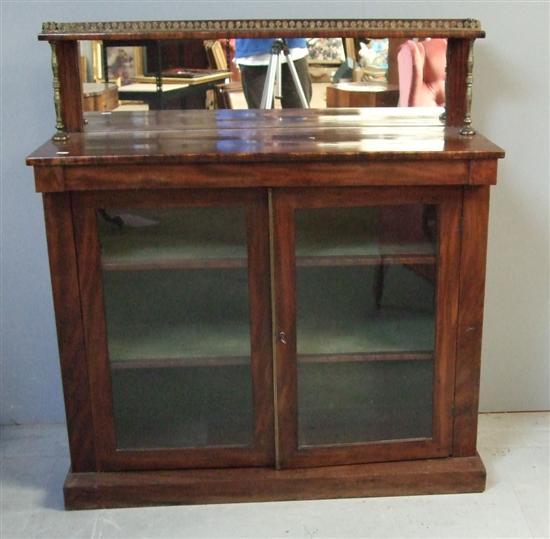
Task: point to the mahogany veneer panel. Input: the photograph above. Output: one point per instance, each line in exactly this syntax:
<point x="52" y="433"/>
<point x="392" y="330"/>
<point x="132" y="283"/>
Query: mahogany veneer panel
<point x="70" y="85"/>
<point x="130" y="489"/>
<point x="218" y="175"/>
<point x="185" y="149"/>
<point x="231" y="136"/>
<point x="70" y="330"/>
<point x="455" y="87"/>
<point x="470" y="322"/>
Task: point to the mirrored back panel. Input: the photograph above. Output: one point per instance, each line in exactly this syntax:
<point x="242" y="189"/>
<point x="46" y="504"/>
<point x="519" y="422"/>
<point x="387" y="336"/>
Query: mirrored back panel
<point x="240" y="73"/>
<point x="236" y="64"/>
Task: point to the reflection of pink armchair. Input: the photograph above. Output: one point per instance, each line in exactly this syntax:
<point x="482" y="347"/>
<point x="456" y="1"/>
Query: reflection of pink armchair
<point x="421" y="67"/>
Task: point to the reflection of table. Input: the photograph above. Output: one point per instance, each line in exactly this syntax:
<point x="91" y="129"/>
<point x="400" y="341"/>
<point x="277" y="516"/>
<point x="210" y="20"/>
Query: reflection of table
<point x="362" y="94"/>
<point x="97" y="96"/>
<point x="176" y="92"/>
<point x="170" y="96"/>
<point x="189" y="76"/>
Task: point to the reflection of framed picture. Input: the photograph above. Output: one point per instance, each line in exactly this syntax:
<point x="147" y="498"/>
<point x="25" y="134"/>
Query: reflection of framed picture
<point x="97" y="61"/>
<point x="326" y="50"/>
<point x="124" y="64"/>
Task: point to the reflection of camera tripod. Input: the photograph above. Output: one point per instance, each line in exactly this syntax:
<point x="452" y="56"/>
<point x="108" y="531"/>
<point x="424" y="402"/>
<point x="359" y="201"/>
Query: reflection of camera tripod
<point x="274" y="79"/>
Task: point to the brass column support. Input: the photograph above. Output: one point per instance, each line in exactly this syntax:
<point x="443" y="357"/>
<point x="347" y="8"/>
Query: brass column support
<point x="467" y="129"/>
<point x="60" y="131"/>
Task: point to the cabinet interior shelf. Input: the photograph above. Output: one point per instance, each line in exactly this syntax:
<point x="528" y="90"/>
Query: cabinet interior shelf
<point x="142" y="263"/>
<point x="202" y="238"/>
<point x="138" y="351"/>
<point x="153" y="320"/>
<point x="111" y="263"/>
<point x="233" y="361"/>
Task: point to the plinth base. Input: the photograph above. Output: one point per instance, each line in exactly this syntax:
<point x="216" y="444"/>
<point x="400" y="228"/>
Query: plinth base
<point x="131" y="489"/>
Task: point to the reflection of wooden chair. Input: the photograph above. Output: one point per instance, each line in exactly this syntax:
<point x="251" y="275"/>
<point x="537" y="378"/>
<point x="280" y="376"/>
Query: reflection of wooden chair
<point x="414" y="226"/>
<point x="220" y="55"/>
<point x="421" y="67"/>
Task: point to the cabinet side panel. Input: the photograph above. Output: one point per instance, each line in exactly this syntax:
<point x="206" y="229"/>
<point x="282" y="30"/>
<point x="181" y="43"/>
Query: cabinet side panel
<point x="71" y="87"/>
<point x="470" y="319"/>
<point x="70" y="331"/>
<point x="447" y="314"/>
<point x="455" y="87"/>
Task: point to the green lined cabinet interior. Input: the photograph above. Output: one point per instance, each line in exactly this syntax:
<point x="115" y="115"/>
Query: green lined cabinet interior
<point x="178" y="327"/>
<point x="185" y="295"/>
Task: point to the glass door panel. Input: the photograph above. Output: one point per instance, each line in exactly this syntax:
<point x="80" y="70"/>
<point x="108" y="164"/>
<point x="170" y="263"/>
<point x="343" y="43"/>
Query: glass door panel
<point x="176" y="301"/>
<point x="363" y="401"/>
<point x="365" y="351"/>
<point x="365" y="289"/>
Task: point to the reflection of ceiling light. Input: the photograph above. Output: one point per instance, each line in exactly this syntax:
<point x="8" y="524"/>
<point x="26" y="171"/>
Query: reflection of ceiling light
<point x="378" y="139"/>
<point x="411" y="144"/>
<point x="386" y="116"/>
<point x="432" y="145"/>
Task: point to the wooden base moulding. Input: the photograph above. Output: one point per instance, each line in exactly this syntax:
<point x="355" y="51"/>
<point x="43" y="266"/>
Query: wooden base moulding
<point x="132" y="489"/>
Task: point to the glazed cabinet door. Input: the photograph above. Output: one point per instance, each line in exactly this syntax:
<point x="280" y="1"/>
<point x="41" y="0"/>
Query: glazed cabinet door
<point x="366" y="284"/>
<point x="176" y="306"/>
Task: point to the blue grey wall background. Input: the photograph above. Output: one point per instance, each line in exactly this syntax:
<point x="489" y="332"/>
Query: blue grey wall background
<point x="511" y="96"/>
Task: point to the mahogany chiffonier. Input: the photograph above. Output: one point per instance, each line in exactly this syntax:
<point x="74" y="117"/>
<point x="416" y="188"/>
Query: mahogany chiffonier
<point x="267" y="304"/>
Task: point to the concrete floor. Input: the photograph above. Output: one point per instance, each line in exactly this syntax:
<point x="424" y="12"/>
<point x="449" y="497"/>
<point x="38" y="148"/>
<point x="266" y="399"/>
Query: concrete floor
<point x="514" y="447"/>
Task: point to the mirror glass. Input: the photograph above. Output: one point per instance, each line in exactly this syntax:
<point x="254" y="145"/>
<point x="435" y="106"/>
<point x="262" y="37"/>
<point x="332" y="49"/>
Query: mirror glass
<point x="231" y="73"/>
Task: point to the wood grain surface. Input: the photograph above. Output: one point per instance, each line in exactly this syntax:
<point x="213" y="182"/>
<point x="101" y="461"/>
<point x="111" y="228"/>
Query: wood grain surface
<point x="71" y="85"/>
<point x="437" y="476"/>
<point x="70" y="330"/>
<point x="262" y="136"/>
<point x="470" y="323"/>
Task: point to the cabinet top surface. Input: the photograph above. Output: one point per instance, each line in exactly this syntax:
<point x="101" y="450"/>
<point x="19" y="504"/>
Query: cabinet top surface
<point x="171" y="137"/>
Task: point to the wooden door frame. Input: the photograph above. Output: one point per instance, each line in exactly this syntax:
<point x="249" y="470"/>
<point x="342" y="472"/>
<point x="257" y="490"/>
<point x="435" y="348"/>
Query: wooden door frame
<point x="108" y="457"/>
<point x="285" y="202"/>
